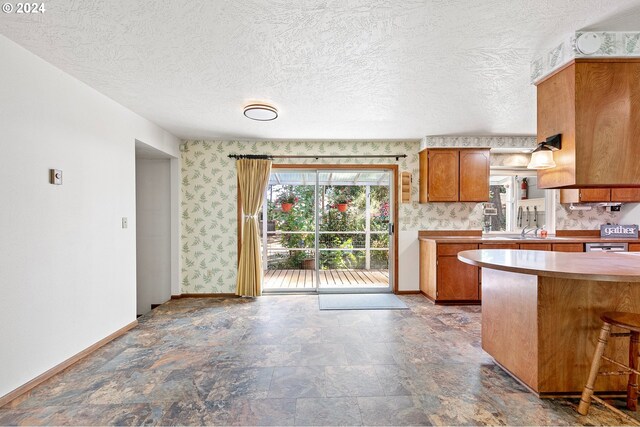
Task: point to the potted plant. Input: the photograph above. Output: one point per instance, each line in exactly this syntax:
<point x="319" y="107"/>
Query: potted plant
<point x="342" y="202"/>
<point x="286" y="201"/>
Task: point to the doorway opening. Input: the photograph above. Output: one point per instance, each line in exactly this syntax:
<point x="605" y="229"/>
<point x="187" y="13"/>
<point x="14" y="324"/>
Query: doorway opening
<point x="153" y="227"/>
<point x="329" y="230"/>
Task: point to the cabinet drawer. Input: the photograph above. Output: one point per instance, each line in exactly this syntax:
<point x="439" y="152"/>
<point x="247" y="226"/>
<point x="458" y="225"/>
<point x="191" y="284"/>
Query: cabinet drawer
<point x="595" y="194"/>
<point x="634" y="247"/>
<point x="499" y="246"/>
<point x="568" y="247"/>
<point x="453" y="249"/>
<point x="625" y="194"/>
<point x="536" y="246"/>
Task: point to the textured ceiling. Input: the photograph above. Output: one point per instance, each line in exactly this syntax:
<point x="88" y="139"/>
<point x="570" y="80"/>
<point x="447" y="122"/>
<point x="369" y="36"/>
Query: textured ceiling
<point x="335" y="69"/>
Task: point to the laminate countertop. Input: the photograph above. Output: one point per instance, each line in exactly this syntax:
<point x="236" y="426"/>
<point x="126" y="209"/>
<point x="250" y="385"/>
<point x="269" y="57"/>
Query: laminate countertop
<point x="517" y="240"/>
<point x="599" y="266"/>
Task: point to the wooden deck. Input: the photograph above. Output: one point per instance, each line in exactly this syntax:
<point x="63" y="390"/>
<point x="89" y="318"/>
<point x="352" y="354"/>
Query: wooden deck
<point x="297" y="279"/>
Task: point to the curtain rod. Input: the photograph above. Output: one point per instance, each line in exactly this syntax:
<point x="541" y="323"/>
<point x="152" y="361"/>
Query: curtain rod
<point x="355" y="156"/>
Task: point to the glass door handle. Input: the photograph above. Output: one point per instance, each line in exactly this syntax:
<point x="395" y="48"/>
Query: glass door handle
<point x="391" y="228"/>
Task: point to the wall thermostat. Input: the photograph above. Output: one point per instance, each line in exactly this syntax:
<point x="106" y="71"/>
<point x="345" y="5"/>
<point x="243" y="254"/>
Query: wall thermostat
<point x="55" y="176"/>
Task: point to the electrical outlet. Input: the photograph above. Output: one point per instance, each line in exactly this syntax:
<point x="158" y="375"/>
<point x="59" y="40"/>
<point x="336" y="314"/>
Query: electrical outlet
<point x="125" y="222"/>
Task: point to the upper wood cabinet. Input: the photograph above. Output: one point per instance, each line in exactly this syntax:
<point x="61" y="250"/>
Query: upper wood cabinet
<point x="454" y="175"/>
<point x="595" y="105"/>
<point x="593" y="195"/>
<point x="474" y="175"/>
<point x="443" y="175"/>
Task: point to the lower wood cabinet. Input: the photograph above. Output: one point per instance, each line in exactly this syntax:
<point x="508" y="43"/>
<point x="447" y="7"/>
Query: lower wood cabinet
<point x="447" y="280"/>
<point x="634" y="247"/>
<point x="444" y="278"/>
<point x="457" y="281"/>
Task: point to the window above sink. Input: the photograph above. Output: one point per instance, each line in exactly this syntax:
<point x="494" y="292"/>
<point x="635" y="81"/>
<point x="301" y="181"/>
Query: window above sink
<point x="507" y="212"/>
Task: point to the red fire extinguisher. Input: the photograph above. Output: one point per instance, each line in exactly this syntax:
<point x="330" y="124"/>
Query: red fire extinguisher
<point x="524" y="188"/>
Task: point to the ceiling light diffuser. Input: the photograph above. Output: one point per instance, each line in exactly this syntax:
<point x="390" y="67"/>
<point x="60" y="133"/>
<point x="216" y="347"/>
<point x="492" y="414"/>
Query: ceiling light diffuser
<point x="260" y="112"/>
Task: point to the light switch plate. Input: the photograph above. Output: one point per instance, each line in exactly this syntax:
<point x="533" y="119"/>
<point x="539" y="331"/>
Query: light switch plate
<point x="125" y="222"/>
<point x="55" y="176"/>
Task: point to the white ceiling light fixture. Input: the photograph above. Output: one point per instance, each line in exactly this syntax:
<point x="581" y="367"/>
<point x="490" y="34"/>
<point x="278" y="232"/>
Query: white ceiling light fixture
<point x="260" y="112"/>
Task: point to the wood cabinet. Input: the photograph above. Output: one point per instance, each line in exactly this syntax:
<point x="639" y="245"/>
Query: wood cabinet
<point x="443" y="175"/>
<point x="474" y="175"/>
<point x="593" y="195"/>
<point x="535" y="246"/>
<point x="634" y="247"/>
<point x="625" y="194"/>
<point x="595" y="105"/>
<point x="454" y="175"/>
<point x="445" y="279"/>
<point x="568" y="247"/>
<point x="457" y="281"/>
<point x="499" y="246"/>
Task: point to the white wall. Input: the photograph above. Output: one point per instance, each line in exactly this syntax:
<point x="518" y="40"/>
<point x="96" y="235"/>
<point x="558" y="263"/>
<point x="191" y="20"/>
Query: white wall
<point x="68" y="268"/>
<point x="630" y="213"/>
<point x="153" y="231"/>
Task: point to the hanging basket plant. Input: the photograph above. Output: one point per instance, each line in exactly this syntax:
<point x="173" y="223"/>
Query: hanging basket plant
<point x="342" y="202"/>
<point x="287" y="201"/>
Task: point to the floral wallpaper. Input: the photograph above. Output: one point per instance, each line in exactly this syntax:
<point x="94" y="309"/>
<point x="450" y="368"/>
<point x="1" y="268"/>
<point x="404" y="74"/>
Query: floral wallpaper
<point x="209" y="199"/>
<point x="613" y="44"/>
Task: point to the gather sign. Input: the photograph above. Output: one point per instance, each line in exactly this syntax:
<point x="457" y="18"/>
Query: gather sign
<point x="618" y="231"/>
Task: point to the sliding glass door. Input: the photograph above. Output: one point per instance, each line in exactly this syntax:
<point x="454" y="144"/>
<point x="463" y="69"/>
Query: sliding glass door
<point x="328" y="231"/>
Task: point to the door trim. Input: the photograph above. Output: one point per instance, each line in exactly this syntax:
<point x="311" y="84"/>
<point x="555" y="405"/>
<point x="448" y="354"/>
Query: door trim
<point x="394" y="173"/>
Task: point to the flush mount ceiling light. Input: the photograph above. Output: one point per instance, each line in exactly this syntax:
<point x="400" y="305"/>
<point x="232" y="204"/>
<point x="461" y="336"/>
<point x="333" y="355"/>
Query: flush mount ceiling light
<point x="260" y="112"/>
<point x="542" y="156"/>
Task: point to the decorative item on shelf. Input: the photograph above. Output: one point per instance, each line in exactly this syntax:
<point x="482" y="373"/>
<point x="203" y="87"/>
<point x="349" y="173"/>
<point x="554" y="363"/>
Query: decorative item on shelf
<point x="542" y="155"/>
<point x="287" y="201"/>
<point x="342" y="202"/>
<point x="405" y="179"/>
<point x="619" y="231"/>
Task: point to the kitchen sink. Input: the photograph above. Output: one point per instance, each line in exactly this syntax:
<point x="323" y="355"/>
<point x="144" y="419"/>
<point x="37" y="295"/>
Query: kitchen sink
<point x="521" y="238"/>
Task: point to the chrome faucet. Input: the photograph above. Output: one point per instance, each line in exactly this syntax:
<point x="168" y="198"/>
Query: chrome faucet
<point x="526" y="230"/>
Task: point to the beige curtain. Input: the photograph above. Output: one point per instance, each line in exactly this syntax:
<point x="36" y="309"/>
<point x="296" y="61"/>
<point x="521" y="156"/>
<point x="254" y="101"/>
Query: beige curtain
<point x="253" y="177"/>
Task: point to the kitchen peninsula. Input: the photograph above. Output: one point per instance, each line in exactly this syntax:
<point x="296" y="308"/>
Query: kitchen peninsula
<point x="541" y="313"/>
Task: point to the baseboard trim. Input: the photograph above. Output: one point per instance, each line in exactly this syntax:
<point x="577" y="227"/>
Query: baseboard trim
<point x="25" y="388"/>
<point x="408" y="292"/>
<point x="424" y="294"/>
<point x="221" y="295"/>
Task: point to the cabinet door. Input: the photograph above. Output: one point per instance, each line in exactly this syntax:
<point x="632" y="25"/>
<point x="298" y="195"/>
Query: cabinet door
<point x="625" y="194"/>
<point x="634" y="247"/>
<point x="474" y="175"/>
<point x="568" y="247"/>
<point x="423" y="176"/>
<point x="443" y="175"/>
<point x="595" y="194"/>
<point x="457" y="280"/>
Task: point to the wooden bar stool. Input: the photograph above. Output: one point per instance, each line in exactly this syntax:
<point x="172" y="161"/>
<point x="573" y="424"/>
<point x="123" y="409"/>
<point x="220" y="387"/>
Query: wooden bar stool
<point x="630" y="322"/>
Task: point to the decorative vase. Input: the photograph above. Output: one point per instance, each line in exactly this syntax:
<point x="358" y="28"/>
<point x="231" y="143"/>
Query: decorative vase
<point x="286" y="207"/>
<point x="342" y="207"/>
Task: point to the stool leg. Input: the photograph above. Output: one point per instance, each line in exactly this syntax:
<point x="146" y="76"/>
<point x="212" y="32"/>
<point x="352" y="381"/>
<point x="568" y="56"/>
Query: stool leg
<point x="585" y="400"/>
<point x="632" y="387"/>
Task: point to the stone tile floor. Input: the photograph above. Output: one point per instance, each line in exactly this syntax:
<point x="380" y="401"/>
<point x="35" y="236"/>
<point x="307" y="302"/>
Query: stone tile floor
<point x="278" y="360"/>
